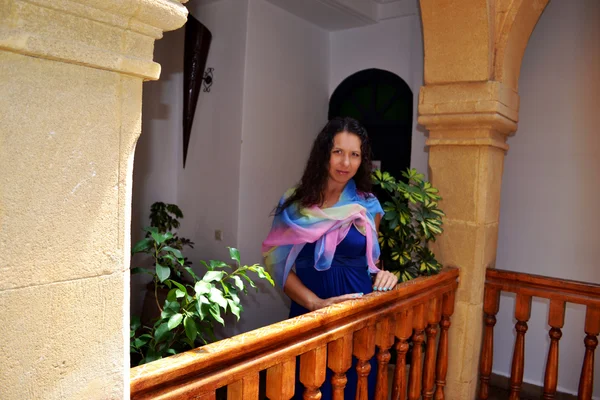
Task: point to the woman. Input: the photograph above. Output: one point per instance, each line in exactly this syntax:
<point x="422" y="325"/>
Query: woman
<point x="327" y="228"/>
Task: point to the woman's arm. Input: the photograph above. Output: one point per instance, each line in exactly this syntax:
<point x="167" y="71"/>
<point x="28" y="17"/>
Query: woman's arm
<point x="302" y="295"/>
<point x="384" y="280"/>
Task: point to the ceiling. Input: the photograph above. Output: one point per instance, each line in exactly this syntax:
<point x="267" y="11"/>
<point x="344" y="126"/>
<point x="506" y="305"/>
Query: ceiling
<point x="334" y="15"/>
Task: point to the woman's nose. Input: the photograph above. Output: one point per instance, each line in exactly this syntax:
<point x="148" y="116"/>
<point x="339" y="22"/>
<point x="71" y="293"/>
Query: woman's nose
<point x="346" y="160"/>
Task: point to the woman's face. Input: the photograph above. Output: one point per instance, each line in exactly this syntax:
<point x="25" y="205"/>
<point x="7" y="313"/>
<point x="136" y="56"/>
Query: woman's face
<point x="345" y="157"/>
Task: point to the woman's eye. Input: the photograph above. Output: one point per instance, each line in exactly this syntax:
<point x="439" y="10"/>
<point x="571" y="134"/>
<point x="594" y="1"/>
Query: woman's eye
<point x="355" y="155"/>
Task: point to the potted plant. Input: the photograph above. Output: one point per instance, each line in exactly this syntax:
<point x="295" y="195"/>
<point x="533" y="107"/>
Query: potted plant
<point x="412" y="219"/>
<point x="164" y="219"/>
<point x="189" y="312"/>
<point x="191" y="305"/>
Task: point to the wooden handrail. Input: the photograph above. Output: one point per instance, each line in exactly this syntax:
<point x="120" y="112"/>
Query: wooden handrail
<point x="229" y="361"/>
<point x="543" y="286"/>
<point x="559" y="292"/>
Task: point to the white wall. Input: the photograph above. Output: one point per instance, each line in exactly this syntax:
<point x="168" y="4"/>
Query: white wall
<point x="285" y="106"/>
<point x="549" y="218"/>
<point x="209" y="184"/>
<point x="394" y="45"/>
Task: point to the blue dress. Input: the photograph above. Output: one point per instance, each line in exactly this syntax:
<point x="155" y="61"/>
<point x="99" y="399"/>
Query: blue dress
<point x="348" y="274"/>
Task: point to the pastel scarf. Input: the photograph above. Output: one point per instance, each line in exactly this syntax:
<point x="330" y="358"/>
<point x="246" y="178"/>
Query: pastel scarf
<point x="293" y="228"/>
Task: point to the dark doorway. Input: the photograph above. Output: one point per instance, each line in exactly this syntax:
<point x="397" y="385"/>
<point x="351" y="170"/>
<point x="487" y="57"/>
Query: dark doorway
<point x="383" y="103"/>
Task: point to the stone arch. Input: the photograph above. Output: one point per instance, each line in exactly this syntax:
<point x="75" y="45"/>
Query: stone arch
<point x="516" y="22"/>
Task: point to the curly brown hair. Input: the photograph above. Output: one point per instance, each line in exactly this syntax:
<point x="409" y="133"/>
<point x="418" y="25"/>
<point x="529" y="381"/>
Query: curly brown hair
<point x="309" y="191"/>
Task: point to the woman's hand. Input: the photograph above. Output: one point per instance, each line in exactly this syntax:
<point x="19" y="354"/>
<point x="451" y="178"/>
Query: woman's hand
<point x="384" y="281"/>
<point x="320" y="303"/>
<point x="302" y="295"/>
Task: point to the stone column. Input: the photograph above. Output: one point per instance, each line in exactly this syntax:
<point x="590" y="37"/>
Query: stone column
<point x="469" y="104"/>
<point x="71" y="74"/>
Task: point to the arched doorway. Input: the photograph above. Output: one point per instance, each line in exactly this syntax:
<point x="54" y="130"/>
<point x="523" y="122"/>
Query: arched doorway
<point x="383" y="103"/>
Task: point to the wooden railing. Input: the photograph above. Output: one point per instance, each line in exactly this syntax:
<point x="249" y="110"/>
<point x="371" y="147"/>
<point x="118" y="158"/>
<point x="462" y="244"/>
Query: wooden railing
<point x="326" y="338"/>
<point x="559" y="292"/>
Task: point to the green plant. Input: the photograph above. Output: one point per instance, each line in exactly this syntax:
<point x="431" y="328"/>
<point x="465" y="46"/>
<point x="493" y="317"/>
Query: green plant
<point x="412" y="219"/>
<point x="193" y="304"/>
<point x="163" y="220"/>
<point x="190" y="310"/>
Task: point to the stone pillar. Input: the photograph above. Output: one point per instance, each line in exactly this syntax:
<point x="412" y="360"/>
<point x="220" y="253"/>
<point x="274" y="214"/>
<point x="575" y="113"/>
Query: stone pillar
<point x="469" y="104"/>
<point x="71" y="74"/>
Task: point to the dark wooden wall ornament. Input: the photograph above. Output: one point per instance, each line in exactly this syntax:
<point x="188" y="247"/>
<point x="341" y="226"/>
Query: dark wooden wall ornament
<point x="197" y="45"/>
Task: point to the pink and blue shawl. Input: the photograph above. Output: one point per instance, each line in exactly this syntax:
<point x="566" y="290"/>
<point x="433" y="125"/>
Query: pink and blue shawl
<point x="294" y="227"/>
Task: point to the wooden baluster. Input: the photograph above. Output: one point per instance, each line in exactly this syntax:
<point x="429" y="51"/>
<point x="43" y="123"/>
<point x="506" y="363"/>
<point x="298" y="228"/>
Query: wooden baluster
<point x="313" y="365"/>
<point x="339" y="360"/>
<point x="592" y="330"/>
<point x="384" y="339"/>
<point x="556" y="320"/>
<point x="403" y="331"/>
<point x="364" y="350"/>
<point x="281" y="379"/>
<point x="442" y="355"/>
<point x="244" y="389"/>
<point x="522" y="314"/>
<point x="414" y="381"/>
<point x="433" y="318"/>
<point x="491" y="305"/>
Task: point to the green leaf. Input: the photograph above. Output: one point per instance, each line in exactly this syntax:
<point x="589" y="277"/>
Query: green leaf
<point x="191" y="272"/>
<point x="160" y="238"/>
<point x="260" y="271"/>
<point x="233" y="295"/>
<point x="202" y="287"/>
<point x="235" y="308"/>
<point x="172" y="295"/>
<point x="161" y="332"/>
<point x="215" y="311"/>
<point x="142" y="246"/>
<point x="218" y="264"/>
<point x="180" y="286"/>
<point x="142" y="340"/>
<point x="170" y="308"/>
<point x="190" y="328"/>
<point x="174" y="321"/>
<point x="162" y="272"/>
<point x="226" y="288"/>
<point x="211" y="276"/>
<point x="216" y="296"/>
<point x="200" y="306"/>
<point x="234" y="254"/>
<point x="208" y="267"/>
<point x="173" y="251"/>
<point x="135" y="323"/>
<point x="250" y="281"/>
<point x="238" y="282"/>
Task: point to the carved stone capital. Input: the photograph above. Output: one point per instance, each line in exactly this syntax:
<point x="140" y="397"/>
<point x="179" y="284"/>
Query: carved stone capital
<point x="469" y="113"/>
<point x="114" y="35"/>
